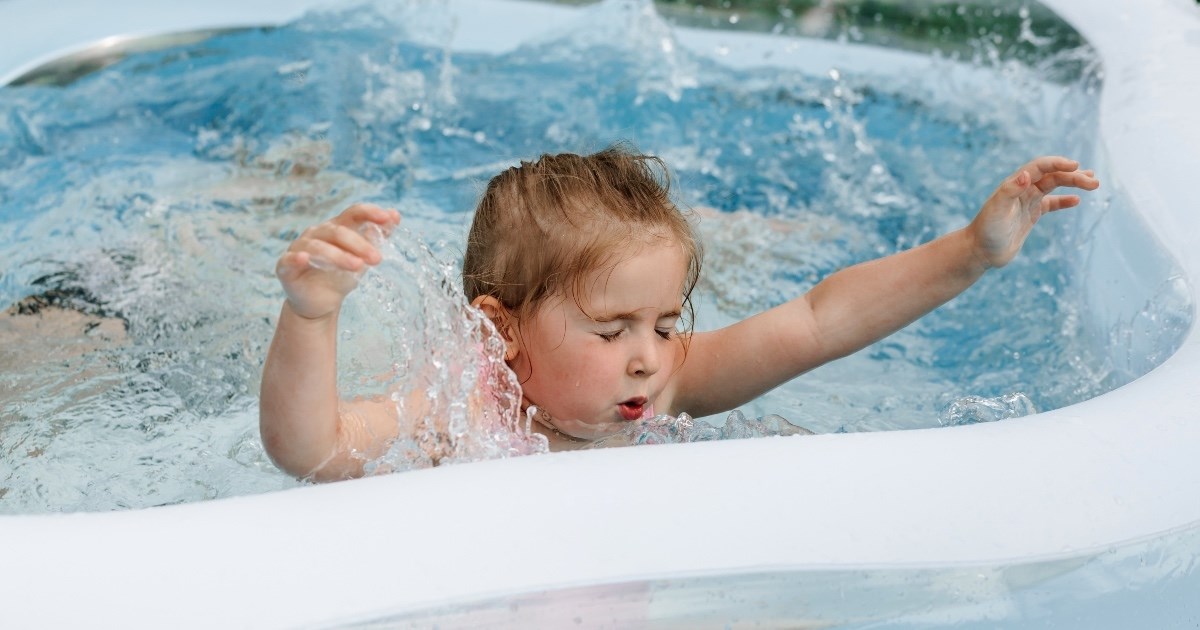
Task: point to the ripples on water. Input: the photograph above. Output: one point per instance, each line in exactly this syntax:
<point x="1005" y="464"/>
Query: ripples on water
<point x="161" y="190"/>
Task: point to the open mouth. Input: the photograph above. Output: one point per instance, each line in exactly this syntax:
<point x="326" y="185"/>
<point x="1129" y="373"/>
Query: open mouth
<point x="635" y="408"/>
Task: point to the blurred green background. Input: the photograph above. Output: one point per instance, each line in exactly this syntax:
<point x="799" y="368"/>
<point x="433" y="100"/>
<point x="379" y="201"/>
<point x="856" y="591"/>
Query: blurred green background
<point x="965" y="29"/>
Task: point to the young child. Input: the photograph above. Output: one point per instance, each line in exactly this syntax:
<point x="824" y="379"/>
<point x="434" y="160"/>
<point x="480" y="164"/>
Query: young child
<point x="586" y="268"/>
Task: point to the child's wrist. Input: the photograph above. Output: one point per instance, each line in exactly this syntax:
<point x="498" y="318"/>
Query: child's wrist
<point x="290" y="309"/>
<point x="977" y="260"/>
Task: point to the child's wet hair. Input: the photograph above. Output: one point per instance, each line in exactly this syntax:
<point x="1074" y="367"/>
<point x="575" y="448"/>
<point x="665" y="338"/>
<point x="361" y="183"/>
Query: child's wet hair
<point x="543" y="227"/>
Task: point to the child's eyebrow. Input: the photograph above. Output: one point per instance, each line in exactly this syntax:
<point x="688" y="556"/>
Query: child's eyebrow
<point x="604" y="319"/>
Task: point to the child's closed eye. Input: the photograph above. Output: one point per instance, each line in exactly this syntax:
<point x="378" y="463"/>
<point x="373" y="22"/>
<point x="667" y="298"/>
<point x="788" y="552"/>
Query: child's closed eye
<point x="665" y="333"/>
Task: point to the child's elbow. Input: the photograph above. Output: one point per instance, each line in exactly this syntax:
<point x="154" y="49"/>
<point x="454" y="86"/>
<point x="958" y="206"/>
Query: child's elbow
<point x="307" y="464"/>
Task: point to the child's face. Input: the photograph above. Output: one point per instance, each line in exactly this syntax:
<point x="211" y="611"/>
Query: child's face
<point x="599" y="367"/>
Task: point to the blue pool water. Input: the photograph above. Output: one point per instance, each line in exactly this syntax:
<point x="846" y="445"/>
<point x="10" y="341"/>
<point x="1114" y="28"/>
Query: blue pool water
<point x="160" y="191"/>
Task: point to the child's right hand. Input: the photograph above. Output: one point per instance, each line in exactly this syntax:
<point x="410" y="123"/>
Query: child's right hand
<point x="319" y="268"/>
<point x="1008" y="216"/>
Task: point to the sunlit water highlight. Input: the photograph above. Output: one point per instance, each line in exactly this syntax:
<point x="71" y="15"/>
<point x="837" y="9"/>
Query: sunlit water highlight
<point x="161" y="190"/>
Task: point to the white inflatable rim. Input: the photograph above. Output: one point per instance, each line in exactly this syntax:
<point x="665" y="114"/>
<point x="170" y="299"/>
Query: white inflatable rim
<point x="1117" y="468"/>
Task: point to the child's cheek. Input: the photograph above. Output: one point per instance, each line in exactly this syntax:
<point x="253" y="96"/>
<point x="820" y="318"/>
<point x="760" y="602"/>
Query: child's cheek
<point x="593" y="367"/>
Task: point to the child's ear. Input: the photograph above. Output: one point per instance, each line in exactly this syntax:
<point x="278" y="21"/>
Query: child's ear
<point x="495" y="311"/>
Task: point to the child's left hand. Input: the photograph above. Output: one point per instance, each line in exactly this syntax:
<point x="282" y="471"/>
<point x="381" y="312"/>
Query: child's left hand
<point x="1010" y="213"/>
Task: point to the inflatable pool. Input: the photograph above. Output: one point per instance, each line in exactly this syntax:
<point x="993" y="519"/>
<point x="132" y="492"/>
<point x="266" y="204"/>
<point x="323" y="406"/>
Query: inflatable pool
<point x="833" y="528"/>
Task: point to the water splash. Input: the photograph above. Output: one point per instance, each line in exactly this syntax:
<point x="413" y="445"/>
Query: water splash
<point x="633" y="31"/>
<point x="1153" y="333"/>
<point x="408" y="334"/>
<point x="666" y="429"/>
<point x="976" y="409"/>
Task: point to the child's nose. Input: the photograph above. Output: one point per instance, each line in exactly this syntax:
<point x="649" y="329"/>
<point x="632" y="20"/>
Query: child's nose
<point x="646" y="360"/>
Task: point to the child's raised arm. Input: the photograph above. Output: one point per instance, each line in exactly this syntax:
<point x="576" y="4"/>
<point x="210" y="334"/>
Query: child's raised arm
<point x="305" y="429"/>
<point x="861" y="304"/>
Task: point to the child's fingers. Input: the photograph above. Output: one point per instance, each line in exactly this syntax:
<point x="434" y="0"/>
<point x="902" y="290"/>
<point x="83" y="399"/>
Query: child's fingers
<point x="358" y="213"/>
<point x="1050" y="203"/>
<point x="1076" y="179"/>
<point x="291" y="265"/>
<point x="332" y="255"/>
<point x="1016" y="184"/>
<point x="361" y="212"/>
<point x="393" y="219"/>
<point x="1045" y="165"/>
<point x="347" y="239"/>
